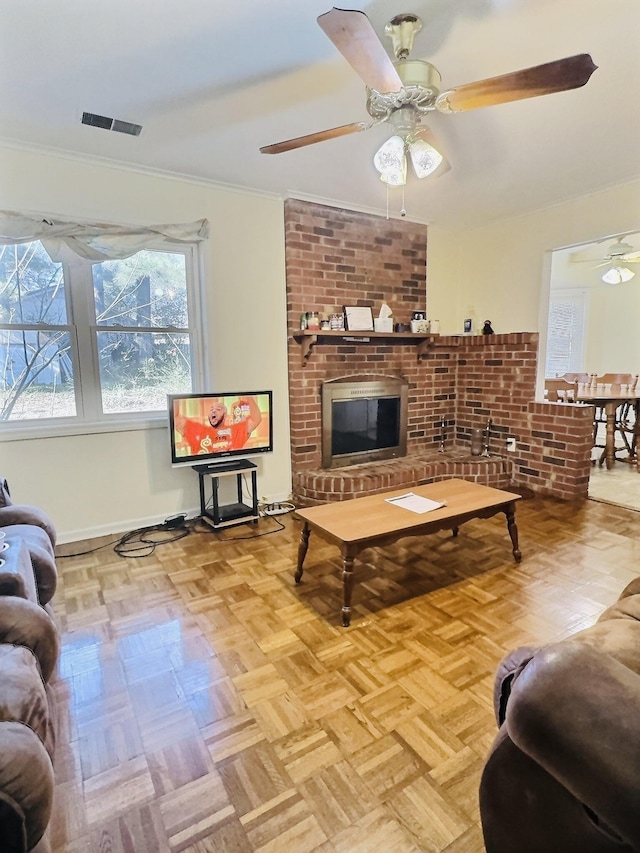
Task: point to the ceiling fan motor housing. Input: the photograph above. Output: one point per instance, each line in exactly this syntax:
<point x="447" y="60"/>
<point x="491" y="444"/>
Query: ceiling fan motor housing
<point x="620" y="249"/>
<point x="404" y="121"/>
<point x="419" y="72"/>
<point x="420" y="88"/>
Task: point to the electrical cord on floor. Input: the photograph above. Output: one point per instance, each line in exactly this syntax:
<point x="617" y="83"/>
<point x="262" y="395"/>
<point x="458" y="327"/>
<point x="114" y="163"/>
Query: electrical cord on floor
<point x="135" y="542"/>
<point x="144" y="541"/>
<point x="140" y="544"/>
<point x="90" y="551"/>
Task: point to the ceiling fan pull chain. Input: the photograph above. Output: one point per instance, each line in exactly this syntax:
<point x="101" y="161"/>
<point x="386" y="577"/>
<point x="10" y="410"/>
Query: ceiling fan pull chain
<point x="403" y="212"/>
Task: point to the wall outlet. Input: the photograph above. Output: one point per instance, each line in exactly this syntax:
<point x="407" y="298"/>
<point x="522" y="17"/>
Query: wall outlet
<point x="511" y="444"/>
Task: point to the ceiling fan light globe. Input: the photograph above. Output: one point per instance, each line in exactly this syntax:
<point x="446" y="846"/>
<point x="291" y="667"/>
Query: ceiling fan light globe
<point x="424" y="157"/>
<point x="390" y="161"/>
<point x="617" y="275"/>
<point x="394" y="179"/>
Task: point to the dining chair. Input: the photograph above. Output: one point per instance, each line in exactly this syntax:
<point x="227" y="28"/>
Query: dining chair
<point x="625" y="415"/>
<point x="560" y="391"/>
<point x="625" y="382"/>
<point x="581" y="378"/>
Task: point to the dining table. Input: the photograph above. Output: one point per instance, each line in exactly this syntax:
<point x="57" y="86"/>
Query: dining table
<point x="609" y="400"/>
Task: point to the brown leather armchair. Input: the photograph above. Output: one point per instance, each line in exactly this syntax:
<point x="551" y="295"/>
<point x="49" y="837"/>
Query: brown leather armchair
<point x="563" y="775"/>
<point x="33" y="527"/>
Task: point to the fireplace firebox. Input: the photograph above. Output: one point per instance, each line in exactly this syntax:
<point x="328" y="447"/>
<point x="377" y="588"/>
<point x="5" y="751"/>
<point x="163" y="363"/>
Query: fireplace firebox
<point x="364" y="419"/>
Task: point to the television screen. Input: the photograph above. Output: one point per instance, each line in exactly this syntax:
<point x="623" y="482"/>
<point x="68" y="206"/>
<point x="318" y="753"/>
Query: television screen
<point x="206" y="427"/>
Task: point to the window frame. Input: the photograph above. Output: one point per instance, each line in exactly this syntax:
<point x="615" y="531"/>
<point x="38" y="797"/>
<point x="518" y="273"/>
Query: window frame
<point x="83" y="330"/>
<point x="579" y="298"/>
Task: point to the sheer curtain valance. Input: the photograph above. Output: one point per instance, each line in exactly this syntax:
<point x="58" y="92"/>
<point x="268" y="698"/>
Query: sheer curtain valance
<point x="94" y="241"/>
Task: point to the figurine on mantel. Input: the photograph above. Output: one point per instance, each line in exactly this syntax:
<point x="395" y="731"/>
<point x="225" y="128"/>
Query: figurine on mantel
<point x="486" y="329"/>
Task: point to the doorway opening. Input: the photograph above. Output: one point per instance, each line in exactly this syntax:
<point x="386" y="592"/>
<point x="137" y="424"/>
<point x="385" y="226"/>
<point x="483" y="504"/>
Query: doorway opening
<point x="594" y="303"/>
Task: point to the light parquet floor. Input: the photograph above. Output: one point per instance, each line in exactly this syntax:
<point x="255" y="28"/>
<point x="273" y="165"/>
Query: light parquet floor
<point x="207" y="704"/>
<point x="618" y="485"/>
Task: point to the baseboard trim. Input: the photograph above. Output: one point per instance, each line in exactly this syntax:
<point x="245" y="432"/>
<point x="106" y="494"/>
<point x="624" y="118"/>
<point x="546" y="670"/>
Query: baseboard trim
<point x="118" y="528"/>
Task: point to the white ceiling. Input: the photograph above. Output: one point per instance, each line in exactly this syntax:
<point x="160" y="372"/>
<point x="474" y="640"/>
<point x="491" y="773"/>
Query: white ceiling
<point x="211" y="82"/>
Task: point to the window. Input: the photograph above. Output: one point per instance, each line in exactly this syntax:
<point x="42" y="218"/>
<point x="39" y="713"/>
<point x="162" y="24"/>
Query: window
<point x="566" y="332"/>
<point x="86" y="343"/>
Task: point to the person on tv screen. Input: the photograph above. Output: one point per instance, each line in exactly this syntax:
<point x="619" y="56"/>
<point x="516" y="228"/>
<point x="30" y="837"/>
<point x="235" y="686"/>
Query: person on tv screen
<point x="223" y="430"/>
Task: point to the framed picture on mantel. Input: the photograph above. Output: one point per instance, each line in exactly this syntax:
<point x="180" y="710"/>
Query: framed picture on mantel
<point x="358" y="319"/>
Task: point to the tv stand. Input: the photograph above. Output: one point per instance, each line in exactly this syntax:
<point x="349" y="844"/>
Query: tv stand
<point x="234" y="513"/>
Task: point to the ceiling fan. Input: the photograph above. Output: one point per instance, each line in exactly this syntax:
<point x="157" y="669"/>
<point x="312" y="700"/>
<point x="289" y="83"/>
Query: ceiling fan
<point x="616" y="259"/>
<point x="403" y="92"/>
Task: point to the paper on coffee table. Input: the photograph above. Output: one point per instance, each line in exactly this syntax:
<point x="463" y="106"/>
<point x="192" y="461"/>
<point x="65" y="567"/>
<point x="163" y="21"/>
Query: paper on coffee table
<point x="415" y="503"/>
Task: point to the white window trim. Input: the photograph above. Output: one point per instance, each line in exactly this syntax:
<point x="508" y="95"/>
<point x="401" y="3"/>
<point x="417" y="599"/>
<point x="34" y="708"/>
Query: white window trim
<point x="120" y="422"/>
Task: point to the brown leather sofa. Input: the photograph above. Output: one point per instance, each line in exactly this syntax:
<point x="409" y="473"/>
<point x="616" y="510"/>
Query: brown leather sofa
<point x="29" y="646"/>
<point x="563" y="775"/>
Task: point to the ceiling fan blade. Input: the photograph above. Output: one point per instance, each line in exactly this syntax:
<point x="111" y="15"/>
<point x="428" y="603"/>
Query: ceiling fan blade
<point x="600" y="262"/>
<point x="311" y="138"/>
<point x="351" y="32"/>
<point x="557" y="76"/>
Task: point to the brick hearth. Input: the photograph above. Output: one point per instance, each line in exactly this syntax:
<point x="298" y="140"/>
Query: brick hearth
<point x="356" y="481"/>
<point x="336" y="257"/>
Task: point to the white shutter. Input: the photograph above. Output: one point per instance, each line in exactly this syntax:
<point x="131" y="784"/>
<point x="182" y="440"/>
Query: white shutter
<point x="566" y="332"/>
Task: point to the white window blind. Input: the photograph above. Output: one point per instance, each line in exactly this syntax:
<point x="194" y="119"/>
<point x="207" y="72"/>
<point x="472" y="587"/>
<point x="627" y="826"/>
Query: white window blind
<point x="566" y="332"/>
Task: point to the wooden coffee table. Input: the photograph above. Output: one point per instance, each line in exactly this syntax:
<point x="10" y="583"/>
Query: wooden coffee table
<point x="366" y="522"/>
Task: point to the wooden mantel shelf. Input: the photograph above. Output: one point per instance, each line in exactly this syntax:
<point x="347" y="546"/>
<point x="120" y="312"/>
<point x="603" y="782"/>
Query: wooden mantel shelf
<point x="309" y="338"/>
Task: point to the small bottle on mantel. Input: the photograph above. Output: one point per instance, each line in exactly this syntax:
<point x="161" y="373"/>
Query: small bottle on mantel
<point x="303" y="321"/>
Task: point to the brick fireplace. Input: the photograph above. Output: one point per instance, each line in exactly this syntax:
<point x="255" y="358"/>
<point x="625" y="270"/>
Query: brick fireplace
<point x="337" y="257"/>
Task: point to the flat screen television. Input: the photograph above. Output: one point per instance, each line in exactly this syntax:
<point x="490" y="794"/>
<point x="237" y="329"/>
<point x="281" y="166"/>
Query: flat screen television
<point x="207" y="428"/>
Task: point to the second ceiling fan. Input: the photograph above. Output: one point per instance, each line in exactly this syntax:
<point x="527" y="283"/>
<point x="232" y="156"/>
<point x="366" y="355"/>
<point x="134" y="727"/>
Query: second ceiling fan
<point x="403" y="92"/>
<point x="617" y="259"/>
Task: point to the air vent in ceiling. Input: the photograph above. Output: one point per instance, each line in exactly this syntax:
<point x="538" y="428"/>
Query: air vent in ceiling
<point x="107" y="123"/>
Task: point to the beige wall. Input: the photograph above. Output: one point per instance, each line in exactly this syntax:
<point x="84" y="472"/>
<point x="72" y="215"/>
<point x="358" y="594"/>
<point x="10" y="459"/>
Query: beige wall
<point x="101" y="484"/>
<point x="118" y="481"/>
<point x="501" y="272"/>
<point x="612" y="341"/>
<point x="613" y="329"/>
